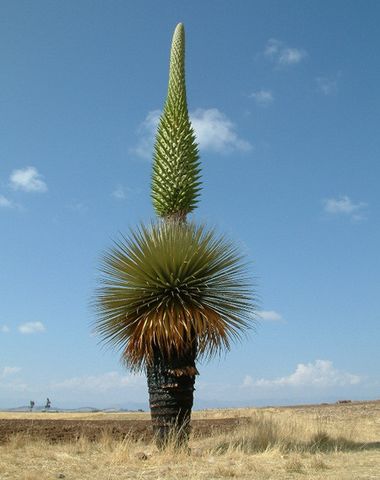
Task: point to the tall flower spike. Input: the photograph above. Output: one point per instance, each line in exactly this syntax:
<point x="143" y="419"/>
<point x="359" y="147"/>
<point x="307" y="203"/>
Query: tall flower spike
<point x="176" y="168"/>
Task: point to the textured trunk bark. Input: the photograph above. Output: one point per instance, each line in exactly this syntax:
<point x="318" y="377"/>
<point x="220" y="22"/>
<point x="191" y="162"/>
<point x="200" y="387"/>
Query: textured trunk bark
<point x="171" y="392"/>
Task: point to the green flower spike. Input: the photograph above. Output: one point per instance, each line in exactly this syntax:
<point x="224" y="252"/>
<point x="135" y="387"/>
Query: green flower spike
<point x="176" y="169"/>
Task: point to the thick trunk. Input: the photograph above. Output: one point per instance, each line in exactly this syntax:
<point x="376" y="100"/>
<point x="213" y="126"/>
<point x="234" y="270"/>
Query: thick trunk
<point x="171" y="392"/>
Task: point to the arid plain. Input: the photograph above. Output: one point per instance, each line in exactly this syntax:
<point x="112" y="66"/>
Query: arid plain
<point x="335" y="441"/>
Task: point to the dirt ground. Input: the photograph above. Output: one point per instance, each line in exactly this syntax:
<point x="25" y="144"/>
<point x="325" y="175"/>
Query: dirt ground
<point x="62" y="427"/>
<point x="313" y="442"/>
<point x="60" y="430"/>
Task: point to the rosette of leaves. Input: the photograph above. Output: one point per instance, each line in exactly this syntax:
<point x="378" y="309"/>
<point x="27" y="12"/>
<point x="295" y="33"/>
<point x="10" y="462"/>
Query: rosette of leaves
<point x="170" y="285"/>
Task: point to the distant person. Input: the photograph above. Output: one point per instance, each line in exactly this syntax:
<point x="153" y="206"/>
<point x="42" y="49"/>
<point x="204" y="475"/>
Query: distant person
<point x="31" y="405"/>
<point x="48" y="404"/>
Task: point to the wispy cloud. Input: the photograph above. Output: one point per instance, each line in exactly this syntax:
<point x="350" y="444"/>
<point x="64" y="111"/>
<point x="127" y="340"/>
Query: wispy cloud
<point x="9" y="381"/>
<point x="122" y="193"/>
<point x="343" y="205"/>
<point x="78" y="207"/>
<point x="327" y="85"/>
<point x="102" y="382"/>
<point x="31" y="327"/>
<point x="119" y="193"/>
<point x="283" y="55"/>
<point x="8" y="371"/>
<point x="270" y="316"/>
<point x="4" y="329"/>
<point x="5" y="202"/>
<point x="262" y="97"/>
<point x="13" y="386"/>
<point x="146" y="133"/>
<point x="214" y="131"/>
<point x="321" y="373"/>
<point x="27" y="179"/>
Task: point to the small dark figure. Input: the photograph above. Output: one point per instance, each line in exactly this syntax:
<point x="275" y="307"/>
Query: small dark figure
<point x="31" y="405"/>
<point x="48" y="403"/>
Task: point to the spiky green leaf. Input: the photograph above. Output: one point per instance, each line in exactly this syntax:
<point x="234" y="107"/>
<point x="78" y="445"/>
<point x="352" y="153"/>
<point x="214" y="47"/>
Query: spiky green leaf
<point x="171" y="284"/>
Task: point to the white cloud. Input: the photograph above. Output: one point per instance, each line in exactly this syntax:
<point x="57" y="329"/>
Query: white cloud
<point x="123" y="193"/>
<point x="146" y="133"/>
<point x="344" y="206"/>
<point x="31" y="327"/>
<point x="5" y="202"/>
<point x="263" y="97"/>
<point x="319" y="374"/>
<point x="272" y="47"/>
<point x="327" y="86"/>
<point x="28" y="179"/>
<point x="78" y="207"/>
<point x="289" y="56"/>
<point x="101" y="383"/>
<point x="282" y="55"/>
<point x="119" y="193"/>
<point x="4" y="329"/>
<point x="7" y="371"/>
<point x="270" y="316"/>
<point x="214" y="132"/>
<point x="248" y="381"/>
<point x="7" y="384"/>
<point x="13" y="386"/>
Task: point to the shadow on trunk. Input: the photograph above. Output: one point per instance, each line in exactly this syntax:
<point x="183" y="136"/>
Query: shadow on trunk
<point x="171" y="394"/>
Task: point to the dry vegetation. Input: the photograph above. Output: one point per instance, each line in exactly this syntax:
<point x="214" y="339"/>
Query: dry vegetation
<point x="327" y="441"/>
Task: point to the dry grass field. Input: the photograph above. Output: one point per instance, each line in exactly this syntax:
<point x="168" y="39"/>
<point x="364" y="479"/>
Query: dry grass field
<point x="307" y="442"/>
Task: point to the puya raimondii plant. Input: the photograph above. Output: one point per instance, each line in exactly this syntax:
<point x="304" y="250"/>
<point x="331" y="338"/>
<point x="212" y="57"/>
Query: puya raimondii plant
<point x="173" y="292"/>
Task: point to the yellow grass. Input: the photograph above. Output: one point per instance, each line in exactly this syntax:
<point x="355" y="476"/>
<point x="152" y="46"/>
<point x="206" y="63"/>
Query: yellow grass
<point x="327" y="442"/>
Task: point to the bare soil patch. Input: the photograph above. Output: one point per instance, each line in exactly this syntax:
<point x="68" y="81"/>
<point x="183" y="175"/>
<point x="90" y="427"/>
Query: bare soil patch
<point x="62" y="430"/>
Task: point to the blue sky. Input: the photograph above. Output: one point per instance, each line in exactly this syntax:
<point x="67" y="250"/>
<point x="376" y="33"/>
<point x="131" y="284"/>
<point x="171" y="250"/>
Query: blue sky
<point x="285" y="103"/>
